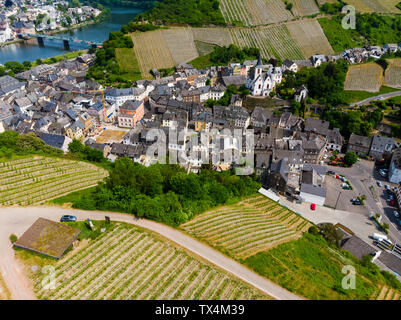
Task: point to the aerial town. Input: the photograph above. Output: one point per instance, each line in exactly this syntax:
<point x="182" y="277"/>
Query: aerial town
<point x="256" y="177"/>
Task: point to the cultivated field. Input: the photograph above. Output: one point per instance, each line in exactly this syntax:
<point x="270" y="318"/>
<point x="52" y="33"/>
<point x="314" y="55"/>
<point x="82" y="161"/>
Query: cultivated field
<point x="273" y="41"/>
<point x="254" y="12"/>
<point x="128" y="63"/>
<point x="378" y="6"/>
<point x="392" y="77"/>
<point x="35" y="180"/>
<point x="304" y="7"/>
<point x="180" y="42"/>
<point x="217" y="36"/>
<point x="128" y="263"/>
<point x="152" y="52"/>
<point x="310" y="37"/>
<point x="364" y="77"/>
<point x="386" y="293"/>
<point x="242" y="230"/>
<point x="109" y="136"/>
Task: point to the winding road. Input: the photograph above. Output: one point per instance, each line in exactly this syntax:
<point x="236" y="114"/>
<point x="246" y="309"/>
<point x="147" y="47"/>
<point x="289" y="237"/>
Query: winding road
<point x="18" y="219"/>
<point x="379" y="97"/>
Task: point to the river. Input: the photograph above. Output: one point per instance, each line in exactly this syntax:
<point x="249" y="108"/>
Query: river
<point x="96" y="32"/>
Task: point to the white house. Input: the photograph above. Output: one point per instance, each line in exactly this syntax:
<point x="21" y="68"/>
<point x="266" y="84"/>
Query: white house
<point x="289" y="65"/>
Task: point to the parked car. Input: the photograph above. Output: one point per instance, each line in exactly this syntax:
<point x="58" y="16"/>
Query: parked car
<point x="67" y="218"/>
<point x="396" y="214"/>
<point x="379" y="183"/>
<point x="382" y="172"/>
<point x="331" y="172"/>
<point x="399" y="222"/>
<point x="313" y="206"/>
<point x="392" y="203"/>
<point x="387" y="187"/>
<point x="356" y="202"/>
<point x="390" y="197"/>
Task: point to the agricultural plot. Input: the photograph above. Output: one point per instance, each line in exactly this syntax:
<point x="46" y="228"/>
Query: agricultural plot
<point x="273" y="41"/>
<point x="378" y="6"/>
<point x="310" y="37"/>
<point x="364" y="77"/>
<point x="254" y="12"/>
<point x="304" y="7"/>
<point x="386" y="293"/>
<point x="180" y="42"/>
<point x="392" y="76"/>
<point x="152" y="52"/>
<point x="35" y="180"/>
<point x="128" y="63"/>
<point x="217" y="36"/>
<point x="128" y="263"/>
<point x="254" y="225"/>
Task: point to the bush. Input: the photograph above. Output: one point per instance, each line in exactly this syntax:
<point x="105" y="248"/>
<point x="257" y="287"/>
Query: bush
<point x="13" y="238"/>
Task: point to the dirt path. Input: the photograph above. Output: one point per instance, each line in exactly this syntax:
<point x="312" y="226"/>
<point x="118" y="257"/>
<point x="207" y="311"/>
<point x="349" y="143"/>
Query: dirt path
<point x="17" y="219"/>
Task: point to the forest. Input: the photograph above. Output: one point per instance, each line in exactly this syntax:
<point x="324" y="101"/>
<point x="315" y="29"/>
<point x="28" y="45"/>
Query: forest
<point x="165" y="193"/>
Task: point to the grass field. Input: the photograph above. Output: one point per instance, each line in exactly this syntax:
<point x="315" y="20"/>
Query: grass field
<point x="253" y="225"/>
<point x="34" y="180"/>
<point x="364" y="77"/>
<point x="273" y="41"/>
<point x="109" y="136"/>
<point x="254" y="12"/>
<point x="128" y="263"/>
<point x="309" y="267"/>
<point x="392" y="76"/>
<point x="378" y="6"/>
<point x="152" y="52"/>
<point x="351" y="96"/>
<point x="310" y="37"/>
<point x="128" y="63"/>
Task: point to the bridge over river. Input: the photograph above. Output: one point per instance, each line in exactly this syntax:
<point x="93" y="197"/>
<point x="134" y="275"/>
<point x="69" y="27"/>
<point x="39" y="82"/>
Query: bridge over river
<point x="67" y="41"/>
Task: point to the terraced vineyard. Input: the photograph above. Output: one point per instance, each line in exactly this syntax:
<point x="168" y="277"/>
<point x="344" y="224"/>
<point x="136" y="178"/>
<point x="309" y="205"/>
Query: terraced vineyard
<point x="364" y="77"/>
<point x="386" y="293"/>
<point x="35" y="180"/>
<point x="273" y="41"/>
<point x="242" y="230"/>
<point x="129" y="263"/>
<point x="378" y="6"/>
<point x="304" y="7"/>
<point x="310" y="37"/>
<point x="180" y="42"/>
<point x="217" y="36"/>
<point x="254" y="12"/>
<point x="393" y="73"/>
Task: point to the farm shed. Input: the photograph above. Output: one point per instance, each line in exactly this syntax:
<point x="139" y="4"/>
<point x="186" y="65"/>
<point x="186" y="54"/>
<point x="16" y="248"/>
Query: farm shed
<point x="48" y="237"/>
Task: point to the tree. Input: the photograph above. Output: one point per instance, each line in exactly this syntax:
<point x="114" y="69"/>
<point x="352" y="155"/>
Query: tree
<point x="350" y="158"/>
<point x="14" y="66"/>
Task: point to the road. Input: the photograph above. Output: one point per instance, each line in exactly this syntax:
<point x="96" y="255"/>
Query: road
<point x="379" y="97"/>
<point x="17" y="219"/>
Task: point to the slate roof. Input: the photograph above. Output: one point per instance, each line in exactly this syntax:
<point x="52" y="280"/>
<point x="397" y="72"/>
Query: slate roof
<point x="312" y="189"/>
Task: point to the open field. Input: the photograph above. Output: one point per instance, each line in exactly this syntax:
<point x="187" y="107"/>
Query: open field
<point x="310" y="37"/>
<point x="378" y="6"/>
<point x="273" y="41"/>
<point x="180" y="42"/>
<point x="152" y="52"/>
<point x="253" y="225"/>
<point x="392" y="76"/>
<point x="128" y="263"/>
<point x="304" y="7"/>
<point x="364" y="77"/>
<point x="254" y="12"/>
<point x="127" y="62"/>
<point x="34" y="180"/>
<point x="109" y="136"/>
